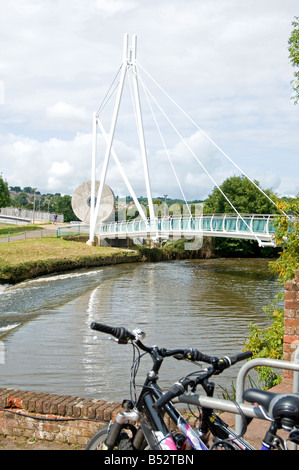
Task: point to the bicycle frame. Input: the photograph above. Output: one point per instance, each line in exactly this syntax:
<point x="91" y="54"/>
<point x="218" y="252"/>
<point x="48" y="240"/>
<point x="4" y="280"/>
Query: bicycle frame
<point x="219" y="428"/>
<point x="150" y="430"/>
<point x="150" y="420"/>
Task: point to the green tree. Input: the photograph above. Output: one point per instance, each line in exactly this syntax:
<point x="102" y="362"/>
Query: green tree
<point x="294" y="56"/>
<point x="63" y="205"/>
<point x="17" y="189"/>
<point x="243" y="195"/>
<point x="28" y="190"/>
<point x="20" y="200"/>
<point x="246" y="198"/>
<point x="4" y="193"/>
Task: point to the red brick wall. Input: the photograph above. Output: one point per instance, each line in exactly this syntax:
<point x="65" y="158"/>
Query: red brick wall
<point x="291" y="321"/>
<point x="42" y="416"/>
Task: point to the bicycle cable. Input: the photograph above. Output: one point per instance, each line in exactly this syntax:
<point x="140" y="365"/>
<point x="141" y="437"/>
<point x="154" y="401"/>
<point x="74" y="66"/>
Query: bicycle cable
<point x="240" y="435"/>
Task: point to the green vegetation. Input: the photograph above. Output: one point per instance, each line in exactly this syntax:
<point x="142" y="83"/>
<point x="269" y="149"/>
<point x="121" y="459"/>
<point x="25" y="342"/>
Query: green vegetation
<point x="4" y="193"/>
<point x="243" y="195"/>
<point x="29" y="198"/>
<point x="294" y="56"/>
<point x="169" y="251"/>
<point x="287" y="237"/>
<point x="269" y="342"/>
<point x="246" y="198"/>
<point x="11" y="229"/>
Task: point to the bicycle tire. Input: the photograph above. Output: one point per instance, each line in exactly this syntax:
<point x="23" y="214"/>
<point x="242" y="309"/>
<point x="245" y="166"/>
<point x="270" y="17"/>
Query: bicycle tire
<point x="97" y="441"/>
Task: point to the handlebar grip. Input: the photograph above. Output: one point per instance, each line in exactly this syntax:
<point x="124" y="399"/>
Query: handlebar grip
<point x="228" y="361"/>
<point x="240" y="357"/>
<point x="176" y="390"/>
<point x="120" y="333"/>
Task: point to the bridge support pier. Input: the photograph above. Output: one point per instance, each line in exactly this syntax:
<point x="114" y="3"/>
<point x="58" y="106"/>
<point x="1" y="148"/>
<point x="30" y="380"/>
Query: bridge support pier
<point x="116" y="242"/>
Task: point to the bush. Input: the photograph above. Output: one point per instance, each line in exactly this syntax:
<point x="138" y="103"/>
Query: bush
<point x="268" y="342"/>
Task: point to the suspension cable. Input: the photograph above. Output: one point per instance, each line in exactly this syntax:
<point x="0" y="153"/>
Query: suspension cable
<point x="106" y="98"/>
<point x="203" y="167"/>
<point x="164" y="145"/>
<point x="209" y="138"/>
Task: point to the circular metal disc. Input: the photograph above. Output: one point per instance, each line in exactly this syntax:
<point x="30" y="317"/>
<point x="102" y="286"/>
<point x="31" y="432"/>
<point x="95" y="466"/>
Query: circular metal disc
<point x="81" y="202"/>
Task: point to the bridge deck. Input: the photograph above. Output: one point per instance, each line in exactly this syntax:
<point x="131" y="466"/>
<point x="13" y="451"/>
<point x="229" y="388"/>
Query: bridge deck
<point x="257" y="227"/>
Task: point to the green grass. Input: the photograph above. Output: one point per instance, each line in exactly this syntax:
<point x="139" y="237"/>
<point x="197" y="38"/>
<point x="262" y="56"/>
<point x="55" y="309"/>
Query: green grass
<point x="11" y="229"/>
<point x="26" y="259"/>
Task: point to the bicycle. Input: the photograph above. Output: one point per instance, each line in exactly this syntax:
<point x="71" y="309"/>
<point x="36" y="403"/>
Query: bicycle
<point x="282" y="410"/>
<point x="141" y="425"/>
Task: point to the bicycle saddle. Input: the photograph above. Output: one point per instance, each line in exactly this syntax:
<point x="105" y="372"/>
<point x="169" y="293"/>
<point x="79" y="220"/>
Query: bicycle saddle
<point x="283" y="407"/>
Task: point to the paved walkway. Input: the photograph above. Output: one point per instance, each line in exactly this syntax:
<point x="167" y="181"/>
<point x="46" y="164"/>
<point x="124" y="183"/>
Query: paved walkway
<point x="257" y="428"/>
<point x="48" y="229"/>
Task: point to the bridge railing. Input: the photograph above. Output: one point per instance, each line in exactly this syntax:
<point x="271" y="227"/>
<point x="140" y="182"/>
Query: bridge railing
<point x="247" y="226"/>
<point x="225" y="224"/>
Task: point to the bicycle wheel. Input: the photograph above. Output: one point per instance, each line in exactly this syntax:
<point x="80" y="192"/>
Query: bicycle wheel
<point x="97" y="442"/>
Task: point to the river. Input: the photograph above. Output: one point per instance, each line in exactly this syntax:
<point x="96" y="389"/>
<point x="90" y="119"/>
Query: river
<point x="47" y="344"/>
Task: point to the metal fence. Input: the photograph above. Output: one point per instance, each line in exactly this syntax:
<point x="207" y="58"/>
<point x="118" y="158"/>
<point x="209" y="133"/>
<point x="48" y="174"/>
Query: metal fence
<point x="23" y="216"/>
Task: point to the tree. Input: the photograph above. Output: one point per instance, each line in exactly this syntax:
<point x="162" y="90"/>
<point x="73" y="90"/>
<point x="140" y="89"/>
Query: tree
<point x="246" y="199"/>
<point x="4" y="193"/>
<point x="28" y="190"/>
<point x="294" y="56"/>
<point x="63" y="205"/>
<point x="243" y="195"/>
<point x="20" y="200"/>
<point x="17" y="189"/>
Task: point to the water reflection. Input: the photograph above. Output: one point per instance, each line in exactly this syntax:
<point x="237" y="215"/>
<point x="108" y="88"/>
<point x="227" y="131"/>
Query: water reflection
<point x="205" y="304"/>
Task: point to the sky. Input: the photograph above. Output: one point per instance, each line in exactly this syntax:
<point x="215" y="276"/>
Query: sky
<point x="214" y="79"/>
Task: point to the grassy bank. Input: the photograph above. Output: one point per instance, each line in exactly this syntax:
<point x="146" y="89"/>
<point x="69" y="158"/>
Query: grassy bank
<point x="28" y="259"/>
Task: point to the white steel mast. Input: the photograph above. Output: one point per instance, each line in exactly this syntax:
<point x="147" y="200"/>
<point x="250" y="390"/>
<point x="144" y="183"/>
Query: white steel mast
<point x="129" y="60"/>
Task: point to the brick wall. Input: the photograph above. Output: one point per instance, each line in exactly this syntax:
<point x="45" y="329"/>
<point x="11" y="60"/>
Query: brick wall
<point x="291" y="321"/>
<point x="57" y="418"/>
<point x="60" y="418"/>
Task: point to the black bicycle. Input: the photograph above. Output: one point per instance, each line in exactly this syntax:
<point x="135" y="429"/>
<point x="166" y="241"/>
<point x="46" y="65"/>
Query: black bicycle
<point x="280" y="409"/>
<point x="142" y="424"/>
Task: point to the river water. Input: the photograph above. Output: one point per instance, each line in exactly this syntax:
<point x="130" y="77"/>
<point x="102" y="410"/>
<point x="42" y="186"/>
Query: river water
<point x="47" y="344"/>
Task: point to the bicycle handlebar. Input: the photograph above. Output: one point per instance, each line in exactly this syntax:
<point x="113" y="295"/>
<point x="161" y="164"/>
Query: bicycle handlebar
<point x="218" y="365"/>
<point x="191" y="354"/>
<point x="122" y="334"/>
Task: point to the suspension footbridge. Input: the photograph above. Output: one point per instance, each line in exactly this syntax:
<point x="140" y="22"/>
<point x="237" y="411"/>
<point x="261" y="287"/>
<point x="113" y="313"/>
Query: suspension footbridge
<point x="258" y="227"/>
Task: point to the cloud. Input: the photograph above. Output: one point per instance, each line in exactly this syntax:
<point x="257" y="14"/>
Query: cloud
<point x="110" y="8"/>
<point x="2" y="93"/>
<point x="225" y="63"/>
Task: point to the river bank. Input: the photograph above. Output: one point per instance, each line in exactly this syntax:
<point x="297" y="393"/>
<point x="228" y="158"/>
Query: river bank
<point x="27" y="259"/>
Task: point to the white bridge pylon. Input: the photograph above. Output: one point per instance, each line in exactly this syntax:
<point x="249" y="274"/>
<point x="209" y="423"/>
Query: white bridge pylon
<point x="129" y="61"/>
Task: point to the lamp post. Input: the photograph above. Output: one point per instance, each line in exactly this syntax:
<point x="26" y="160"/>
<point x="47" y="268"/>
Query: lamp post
<point x="34" y="189"/>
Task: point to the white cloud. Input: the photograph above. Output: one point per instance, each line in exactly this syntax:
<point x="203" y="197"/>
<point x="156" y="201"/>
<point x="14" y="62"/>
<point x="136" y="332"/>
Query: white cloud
<point x="111" y="7"/>
<point x="2" y="93"/>
<point x="225" y="63"/>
